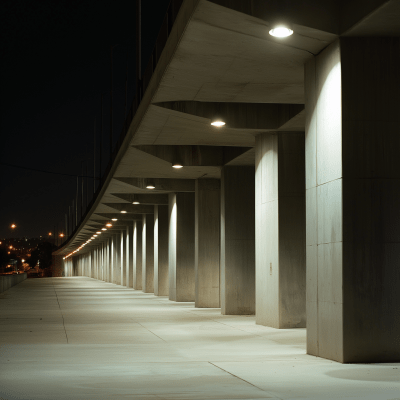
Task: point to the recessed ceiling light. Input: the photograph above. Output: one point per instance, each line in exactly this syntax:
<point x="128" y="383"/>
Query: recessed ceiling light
<point x="123" y="212"/>
<point x="108" y="225"/>
<point x="218" y="123"/>
<point x="103" y="229"/>
<point x="135" y="202"/>
<point x="114" y="219"/>
<point x="177" y="166"/>
<point x="281" y="31"/>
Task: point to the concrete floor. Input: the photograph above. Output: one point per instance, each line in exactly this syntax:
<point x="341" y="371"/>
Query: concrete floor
<point x="79" y="338"/>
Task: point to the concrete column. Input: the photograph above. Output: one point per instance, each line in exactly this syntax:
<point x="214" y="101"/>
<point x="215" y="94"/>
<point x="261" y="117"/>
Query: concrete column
<point x="102" y="262"/>
<point x="118" y="255"/>
<point x="107" y="261"/>
<point x="129" y="256"/>
<point x="123" y="257"/>
<point x="237" y="241"/>
<point x="207" y="243"/>
<point x="352" y="200"/>
<point x="137" y="255"/>
<point x="161" y="284"/>
<point x="148" y="253"/>
<point x="181" y="247"/>
<point x="280" y="230"/>
<point x="113" y="258"/>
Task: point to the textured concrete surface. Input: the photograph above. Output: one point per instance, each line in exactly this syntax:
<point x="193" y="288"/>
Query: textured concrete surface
<point x="181" y="246"/>
<point x="78" y="338"/>
<point x="148" y="253"/>
<point x="280" y="230"/>
<point x="237" y="241"/>
<point x="207" y="242"/>
<point x="352" y="182"/>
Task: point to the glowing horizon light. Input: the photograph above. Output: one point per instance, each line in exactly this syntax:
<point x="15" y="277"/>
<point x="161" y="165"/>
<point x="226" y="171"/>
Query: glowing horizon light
<point x="218" y="123"/>
<point x="281" y="31"/>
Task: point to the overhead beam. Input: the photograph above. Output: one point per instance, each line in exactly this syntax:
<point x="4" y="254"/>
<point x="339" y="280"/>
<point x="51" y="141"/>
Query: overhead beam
<point x="161" y="184"/>
<point x="195" y="156"/>
<point x="153" y="199"/>
<point x="238" y="115"/>
<point x="132" y="208"/>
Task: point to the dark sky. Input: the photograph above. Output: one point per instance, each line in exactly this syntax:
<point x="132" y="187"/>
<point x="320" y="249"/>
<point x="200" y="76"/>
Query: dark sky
<point x="55" y="64"/>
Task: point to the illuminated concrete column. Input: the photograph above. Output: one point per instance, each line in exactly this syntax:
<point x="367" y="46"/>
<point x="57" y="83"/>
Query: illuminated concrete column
<point x="207" y="243"/>
<point x="123" y="257"/>
<point x="148" y="253"/>
<point x="237" y="241"/>
<point x="129" y="256"/>
<point x="94" y="263"/>
<point x="110" y="258"/>
<point x="161" y="250"/>
<point x="280" y="230"/>
<point x="107" y="261"/>
<point x="102" y="261"/>
<point x="113" y="258"/>
<point x="98" y="265"/>
<point x="181" y="247"/>
<point x="137" y="255"/>
<point x="352" y="200"/>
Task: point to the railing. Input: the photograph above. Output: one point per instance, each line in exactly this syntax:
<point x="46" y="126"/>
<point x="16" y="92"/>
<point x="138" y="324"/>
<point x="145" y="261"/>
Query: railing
<point x="165" y="30"/>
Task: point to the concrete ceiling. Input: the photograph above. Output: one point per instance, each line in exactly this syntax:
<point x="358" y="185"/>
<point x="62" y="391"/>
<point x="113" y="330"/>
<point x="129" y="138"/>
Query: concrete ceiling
<point x="221" y="54"/>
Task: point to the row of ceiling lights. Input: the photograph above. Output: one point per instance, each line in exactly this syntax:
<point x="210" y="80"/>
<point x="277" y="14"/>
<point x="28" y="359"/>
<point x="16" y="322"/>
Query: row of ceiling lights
<point x="108" y="225"/>
<point x="278" y="30"/>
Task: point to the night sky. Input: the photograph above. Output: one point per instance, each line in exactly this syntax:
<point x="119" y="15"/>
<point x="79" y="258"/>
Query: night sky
<point x="55" y="64"/>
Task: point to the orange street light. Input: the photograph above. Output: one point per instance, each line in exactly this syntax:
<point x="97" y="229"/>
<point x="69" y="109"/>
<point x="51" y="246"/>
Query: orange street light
<point x="61" y="235"/>
<point x="13" y="226"/>
<point x="49" y="233"/>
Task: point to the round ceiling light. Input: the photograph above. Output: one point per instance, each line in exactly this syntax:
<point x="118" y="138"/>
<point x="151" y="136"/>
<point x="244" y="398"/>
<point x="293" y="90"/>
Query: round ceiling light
<point x="281" y="31"/>
<point x="218" y="123"/>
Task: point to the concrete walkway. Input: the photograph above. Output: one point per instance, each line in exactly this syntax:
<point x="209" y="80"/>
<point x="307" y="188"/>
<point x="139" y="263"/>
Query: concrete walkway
<point x="79" y="338"/>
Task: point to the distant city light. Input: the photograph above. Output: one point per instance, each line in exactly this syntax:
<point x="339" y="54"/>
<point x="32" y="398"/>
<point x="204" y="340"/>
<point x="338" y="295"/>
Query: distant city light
<point x="13" y="226"/>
